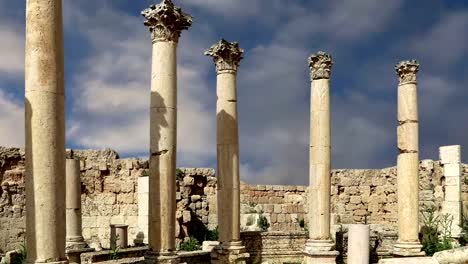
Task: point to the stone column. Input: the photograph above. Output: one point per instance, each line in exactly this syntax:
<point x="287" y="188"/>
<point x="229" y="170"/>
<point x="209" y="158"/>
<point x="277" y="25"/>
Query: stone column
<point x="358" y="244"/>
<point x="74" y="238"/>
<point x="45" y="132"/>
<point x="320" y="247"/>
<point x="408" y="162"/>
<point x="450" y="157"/>
<point x="227" y="56"/>
<point x="165" y="22"/>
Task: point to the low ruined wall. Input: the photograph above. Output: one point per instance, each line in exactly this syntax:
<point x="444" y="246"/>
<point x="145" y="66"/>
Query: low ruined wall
<point x="115" y="191"/>
<point x="274" y="247"/>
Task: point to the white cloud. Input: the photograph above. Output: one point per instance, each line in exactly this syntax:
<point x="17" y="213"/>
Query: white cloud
<point x="11" y="44"/>
<point x="11" y="121"/>
<point x="444" y="43"/>
<point x="112" y="88"/>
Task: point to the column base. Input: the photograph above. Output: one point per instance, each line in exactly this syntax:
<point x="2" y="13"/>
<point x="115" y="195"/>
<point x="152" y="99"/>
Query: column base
<point x="229" y="253"/>
<point x="320" y="252"/>
<point x="52" y="262"/>
<point x="72" y="244"/>
<point x="74" y="255"/>
<point x="408" y="249"/>
<point x="161" y="258"/>
<point x="313" y="245"/>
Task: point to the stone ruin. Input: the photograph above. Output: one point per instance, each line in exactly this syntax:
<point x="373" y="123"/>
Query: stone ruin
<point x="115" y="190"/>
<point x="65" y="208"/>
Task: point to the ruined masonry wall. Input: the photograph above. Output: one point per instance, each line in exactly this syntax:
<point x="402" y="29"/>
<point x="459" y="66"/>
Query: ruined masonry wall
<point x="115" y="191"/>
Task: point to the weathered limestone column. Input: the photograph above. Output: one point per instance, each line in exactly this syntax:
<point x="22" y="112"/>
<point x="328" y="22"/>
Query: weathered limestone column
<point x="74" y="238"/>
<point x="408" y="161"/>
<point x="165" y="22"/>
<point x="227" y="56"/>
<point x="358" y="244"/>
<point x="45" y="132"/>
<point x="320" y="247"/>
<point x="450" y="157"/>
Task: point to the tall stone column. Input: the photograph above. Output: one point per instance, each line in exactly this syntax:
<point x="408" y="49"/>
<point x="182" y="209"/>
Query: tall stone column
<point x="45" y="132"/>
<point x="227" y="56"/>
<point x="408" y="161"/>
<point x="165" y="22"/>
<point x="320" y="247"/>
<point x="74" y="238"/>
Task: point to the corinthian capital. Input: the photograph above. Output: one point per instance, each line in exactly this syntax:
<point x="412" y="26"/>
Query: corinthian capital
<point x="407" y="70"/>
<point x="165" y="21"/>
<point x="226" y="55"/>
<point x="320" y="65"/>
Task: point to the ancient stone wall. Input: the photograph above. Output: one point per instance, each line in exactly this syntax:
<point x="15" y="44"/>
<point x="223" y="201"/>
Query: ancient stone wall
<point x="114" y="191"/>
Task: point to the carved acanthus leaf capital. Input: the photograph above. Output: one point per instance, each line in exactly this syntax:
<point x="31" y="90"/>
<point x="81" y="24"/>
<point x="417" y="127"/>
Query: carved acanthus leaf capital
<point x="407" y="70"/>
<point x="166" y="21"/>
<point x="226" y="55"/>
<point x="320" y="65"/>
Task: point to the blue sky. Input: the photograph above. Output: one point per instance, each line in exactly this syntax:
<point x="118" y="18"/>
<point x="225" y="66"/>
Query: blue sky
<point x="108" y="51"/>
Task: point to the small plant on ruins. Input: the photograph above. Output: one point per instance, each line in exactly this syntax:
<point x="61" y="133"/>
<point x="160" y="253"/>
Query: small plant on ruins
<point x="302" y="224"/>
<point x="114" y="251"/>
<point x="465" y="180"/>
<point x="179" y="174"/>
<point x="430" y="237"/>
<point x="20" y="258"/>
<point x="212" y="235"/>
<point x="436" y="231"/>
<point x="446" y="221"/>
<point x="191" y="244"/>
<point x="464" y="226"/>
<point x="262" y="222"/>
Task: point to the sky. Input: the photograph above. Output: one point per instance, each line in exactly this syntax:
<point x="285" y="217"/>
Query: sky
<point x="108" y="65"/>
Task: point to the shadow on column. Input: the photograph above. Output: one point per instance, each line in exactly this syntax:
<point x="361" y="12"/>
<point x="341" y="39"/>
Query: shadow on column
<point x="31" y="239"/>
<point x="158" y="120"/>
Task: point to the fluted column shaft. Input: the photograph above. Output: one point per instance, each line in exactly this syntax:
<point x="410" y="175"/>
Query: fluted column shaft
<point x="228" y="158"/>
<point x="319" y="154"/>
<point x="74" y="237"/>
<point x="165" y="22"/>
<point x="408" y="161"/>
<point x="45" y="132"/>
<point x="227" y="56"/>
<point x="163" y="147"/>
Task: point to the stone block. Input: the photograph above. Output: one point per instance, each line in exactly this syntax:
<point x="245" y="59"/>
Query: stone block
<point x="355" y="199"/>
<point x="281" y="218"/>
<point x="452" y="193"/>
<point x="107" y="198"/>
<point x="450" y="154"/>
<point x="143" y="184"/>
<point x="186" y="216"/>
<point x="103" y="221"/>
<point x="277" y="208"/>
<point x="452" y="169"/>
<point x="453" y="181"/>
<point x="125" y="198"/>
<point x="129" y="164"/>
<point x="89" y="221"/>
<point x="413" y="260"/>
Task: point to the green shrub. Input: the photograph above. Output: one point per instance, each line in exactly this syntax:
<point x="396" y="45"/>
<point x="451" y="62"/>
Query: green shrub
<point x="190" y="245"/>
<point x="436" y="231"/>
<point x="114" y="251"/>
<point x="20" y="258"/>
<point x="212" y="235"/>
<point x="179" y="174"/>
<point x="262" y="222"/>
<point x="464" y="226"/>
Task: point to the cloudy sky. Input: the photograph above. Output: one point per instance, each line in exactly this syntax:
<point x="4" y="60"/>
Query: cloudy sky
<point x="107" y="58"/>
